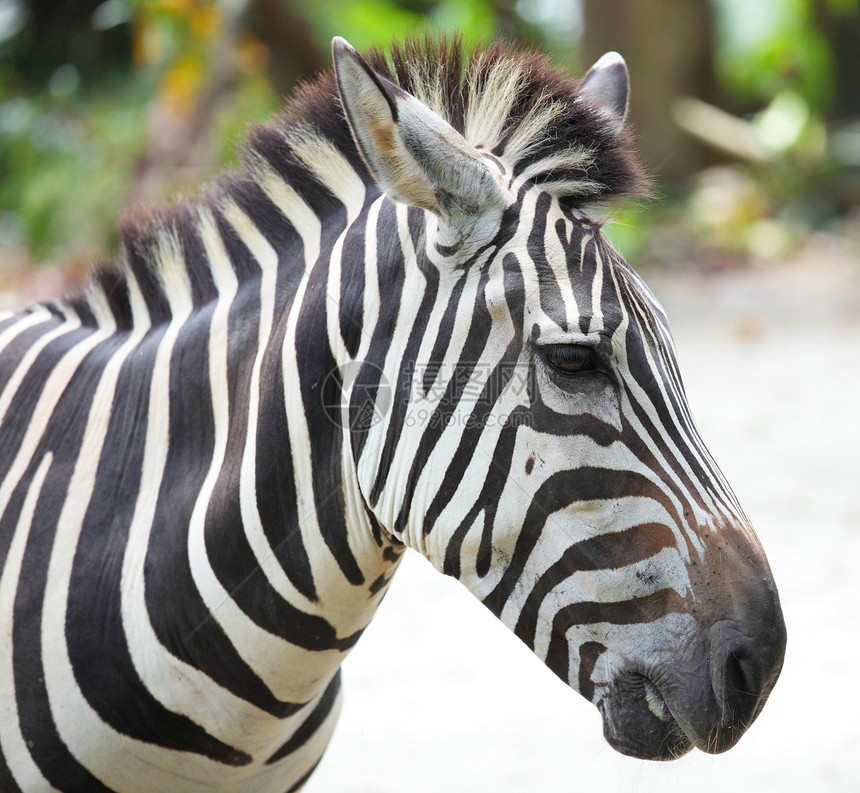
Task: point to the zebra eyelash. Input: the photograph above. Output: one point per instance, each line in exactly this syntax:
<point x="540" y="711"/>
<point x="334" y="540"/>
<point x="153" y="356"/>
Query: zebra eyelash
<point x="570" y="360"/>
<point x="556" y="359"/>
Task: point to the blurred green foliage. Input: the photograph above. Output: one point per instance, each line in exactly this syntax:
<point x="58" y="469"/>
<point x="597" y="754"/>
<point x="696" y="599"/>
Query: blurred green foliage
<point x="794" y="167"/>
<point x="64" y="170"/>
<point x="768" y="47"/>
<point x="375" y="22"/>
<point x="100" y="100"/>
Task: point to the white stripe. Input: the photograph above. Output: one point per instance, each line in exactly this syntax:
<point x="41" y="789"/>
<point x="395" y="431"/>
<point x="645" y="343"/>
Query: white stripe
<point x="620" y="350"/>
<point x="645" y="402"/>
<point x="132" y="765"/>
<point x="140" y="318"/>
<point x="326" y="162"/>
<point x="327" y="575"/>
<point x="268" y="655"/>
<point x="80" y="727"/>
<point x="531" y="276"/>
<point x="179" y="686"/>
<point x="294" y="207"/>
<point x="556" y="258"/>
<point x="55" y="385"/>
<point x="418" y="410"/>
<point x="333" y="306"/>
<point x="596" y="324"/>
<point x="573" y="157"/>
<point x="98" y="303"/>
<point x="14" y="749"/>
<point x="257" y="539"/>
<point x="728" y="505"/>
<point x="10" y="387"/>
<point x="370" y="296"/>
<point x="25" y="321"/>
<point x="629" y="582"/>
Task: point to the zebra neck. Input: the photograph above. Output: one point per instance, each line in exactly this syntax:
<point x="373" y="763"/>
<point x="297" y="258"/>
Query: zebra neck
<point x="245" y="513"/>
<point x="284" y="559"/>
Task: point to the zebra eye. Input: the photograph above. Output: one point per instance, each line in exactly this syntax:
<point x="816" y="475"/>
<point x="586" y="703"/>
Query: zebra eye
<point x="570" y="358"/>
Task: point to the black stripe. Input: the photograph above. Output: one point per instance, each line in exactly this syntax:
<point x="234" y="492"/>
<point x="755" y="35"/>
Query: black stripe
<point x="443" y="335"/>
<point x="551" y="300"/>
<point x="17" y="419"/>
<point x="318" y="387"/>
<point x="176" y="610"/>
<point x="81" y="306"/>
<point x="602" y="552"/>
<point x="197" y="265"/>
<point x="312" y="723"/>
<point x="104" y="668"/>
<point x="391" y="273"/>
<point x="139" y="247"/>
<point x="7" y="322"/>
<point x="62" y="437"/>
<point x="192" y="435"/>
<point x="271" y="222"/>
<point x="351" y="302"/>
<point x="277" y="500"/>
<point x="242" y="260"/>
<point x="647" y="379"/>
<point x="566" y="425"/>
<point x="626" y="612"/>
<point x="488" y="500"/>
<point x="476" y="340"/>
<point x="581" y="268"/>
<point x="270" y="143"/>
<point x="558" y="491"/>
<point x="18" y="347"/>
<point x="7" y="781"/>
<point x="589" y="652"/>
<point x="704" y="469"/>
<point x="114" y="283"/>
<point x="469" y="439"/>
<point x="47" y="748"/>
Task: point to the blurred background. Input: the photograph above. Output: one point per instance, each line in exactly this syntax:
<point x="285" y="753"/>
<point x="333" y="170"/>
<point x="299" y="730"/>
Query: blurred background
<point x="747" y="113"/>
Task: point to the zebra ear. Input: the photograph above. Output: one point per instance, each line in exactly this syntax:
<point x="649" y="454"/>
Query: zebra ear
<point x="415" y="156"/>
<point x="607" y="86"/>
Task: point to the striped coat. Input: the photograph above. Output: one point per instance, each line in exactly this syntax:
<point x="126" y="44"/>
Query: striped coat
<point x="394" y="328"/>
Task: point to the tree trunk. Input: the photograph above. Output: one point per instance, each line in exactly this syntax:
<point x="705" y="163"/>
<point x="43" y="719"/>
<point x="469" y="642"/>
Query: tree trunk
<point x="668" y="46"/>
<point x="841" y="28"/>
<point x="292" y="52"/>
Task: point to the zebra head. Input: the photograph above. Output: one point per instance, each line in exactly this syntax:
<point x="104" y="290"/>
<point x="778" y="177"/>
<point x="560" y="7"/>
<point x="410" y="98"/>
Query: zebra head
<point x="537" y="443"/>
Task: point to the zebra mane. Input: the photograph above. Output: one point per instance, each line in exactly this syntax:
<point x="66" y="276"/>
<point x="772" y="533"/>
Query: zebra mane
<point x="511" y="103"/>
<point x="518" y="106"/>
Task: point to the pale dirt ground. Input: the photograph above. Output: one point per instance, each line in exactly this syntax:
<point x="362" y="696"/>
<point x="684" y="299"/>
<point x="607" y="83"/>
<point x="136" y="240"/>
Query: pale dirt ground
<point x="440" y="696"/>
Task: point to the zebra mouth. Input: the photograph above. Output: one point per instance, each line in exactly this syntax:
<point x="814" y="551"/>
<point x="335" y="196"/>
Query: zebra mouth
<point x="638" y="722"/>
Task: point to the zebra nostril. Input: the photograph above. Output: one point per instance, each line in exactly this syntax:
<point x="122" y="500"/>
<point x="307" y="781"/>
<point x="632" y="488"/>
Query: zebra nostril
<point x="737" y="684"/>
<point x="743" y="670"/>
<point x="741" y="688"/>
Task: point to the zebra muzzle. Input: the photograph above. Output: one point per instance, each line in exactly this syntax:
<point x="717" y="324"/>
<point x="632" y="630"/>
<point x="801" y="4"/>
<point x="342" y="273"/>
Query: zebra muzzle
<point x="638" y="721"/>
<point x="707" y="700"/>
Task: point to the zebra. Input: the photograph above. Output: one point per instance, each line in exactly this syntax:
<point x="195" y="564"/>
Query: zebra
<point x="394" y="326"/>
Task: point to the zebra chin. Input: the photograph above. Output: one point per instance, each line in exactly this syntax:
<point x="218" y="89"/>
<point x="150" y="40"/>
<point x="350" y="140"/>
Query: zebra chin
<point x="638" y="722"/>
